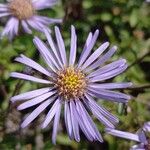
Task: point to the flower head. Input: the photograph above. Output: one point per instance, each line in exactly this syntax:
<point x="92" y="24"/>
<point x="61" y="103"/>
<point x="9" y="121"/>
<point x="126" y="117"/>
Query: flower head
<point x="24" y="13"/>
<point x="73" y="84"/>
<point x="140" y="137"/>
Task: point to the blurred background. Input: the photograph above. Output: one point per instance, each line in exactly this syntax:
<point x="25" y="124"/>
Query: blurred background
<point x="124" y="23"/>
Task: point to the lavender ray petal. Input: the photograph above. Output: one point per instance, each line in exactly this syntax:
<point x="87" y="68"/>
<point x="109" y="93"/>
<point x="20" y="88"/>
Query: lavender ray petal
<point x="11" y="28"/>
<point x="36" y="100"/>
<point x="46" y="20"/>
<point x="26" y="27"/>
<point x="110" y="95"/>
<point x="45" y="54"/>
<point x="109" y="75"/>
<point x="4" y="9"/>
<point x="146" y="126"/>
<point x="3" y="5"/>
<point x="89" y="123"/>
<point x="68" y="123"/>
<point x="101" y="109"/>
<point x="56" y="123"/>
<point x="61" y="45"/>
<point x="88" y="41"/>
<point x="126" y="135"/>
<point x="95" y="55"/>
<point x="142" y="137"/>
<point x="110" y="85"/>
<point x="74" y="120"/>
<point x="30" y="94"/>
<point x="101" y="60"/>
<point x="35" y="113"/>
<point x="51" y="113"/>
<point x="3" y="14"/>
<point x="83" y="126"/>
<point x="29" y="78"/>
<point x="107" y="68"/>
<point x="85" y="122"/>
<point x="43" y="4"/>
<point x="88" y="47"/>
<point x="73" y="47"/>
<point x="45" y="50"/>
<point x="29" y="62"/>
<point x="36" y="24"/>
<point x="53" y="47"/>
<point x="99" y="116"/>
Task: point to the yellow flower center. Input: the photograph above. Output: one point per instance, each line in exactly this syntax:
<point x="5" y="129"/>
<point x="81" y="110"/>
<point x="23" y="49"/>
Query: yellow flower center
<point x="22" y="9"/>
<point x="71" y="83"/>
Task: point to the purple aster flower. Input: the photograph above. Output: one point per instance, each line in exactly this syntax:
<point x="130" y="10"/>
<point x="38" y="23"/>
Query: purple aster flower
<point x="24" y="13"/>
<point x="140" y="137"/>
<point x="73" y="84"/>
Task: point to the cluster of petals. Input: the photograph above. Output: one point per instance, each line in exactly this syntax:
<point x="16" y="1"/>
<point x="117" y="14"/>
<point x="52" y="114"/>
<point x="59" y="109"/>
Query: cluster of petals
<point x="76" y="110"/>
<point x="140" y="136"/>
<point x="35" y="21"/>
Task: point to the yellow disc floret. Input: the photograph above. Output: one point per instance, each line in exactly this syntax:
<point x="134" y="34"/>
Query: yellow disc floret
<point x="71" y="83"/>
<point x="22" y="9"/>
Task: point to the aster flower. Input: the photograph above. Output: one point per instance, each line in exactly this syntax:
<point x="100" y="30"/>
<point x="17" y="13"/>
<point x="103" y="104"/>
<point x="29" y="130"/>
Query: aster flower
<point x="140" y="137"/>
<point x="74" y="85"/>
<point x="24" y="13"/>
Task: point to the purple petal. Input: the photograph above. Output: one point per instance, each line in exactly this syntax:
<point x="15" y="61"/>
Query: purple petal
<point x="126" y="135"/>
<point x="35" y="113"/>
<point x="74" y="120"/>
<point x="56" y="123"/>
<point x="88" y="122"/>
<point x="53" y="47"/>
<point x="101" y="60"/>
<point x="146" y="126"/>
<point x="36" y="24"/>
<point x="95" y="55"/>
<point x="4" y="9"/>
<point x="29" y="78"/>
<point x="3" y="5"/>
<point x="110" y="85"/>
<point x="36" y="100"/>
<point x="67" y="115"/>
<point x="99" y="115"/>
<point x="46" y="20"/>
<point x="99" y="108"/>
<point x="73" y="47"/>
<point x="51" y="62"/>
<point x="61" y="45"/>
<point x="43" y="4"/>
<point x="3" y="14"/>
<point x="88" y="47"/>
<point x="51" y="113"/>
<point x="108" y="68"/>
<point x="29" y="62"/>
<point x="142" y="137"/>
<point x="109" y="75"/>
<point x="11" y="28"/>
<point x="110" y="95"/>
<point x="26" y="27"/>
<point x="83" y="126"/>
<point x="31" y="94"/>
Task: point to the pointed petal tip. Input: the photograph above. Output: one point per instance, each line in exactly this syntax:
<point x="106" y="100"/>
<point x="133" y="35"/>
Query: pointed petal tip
<point x="43" y="126"/>
<point x="23" y="125"/>
<point x="12" y="99"/>
<point x="19" y="108"/>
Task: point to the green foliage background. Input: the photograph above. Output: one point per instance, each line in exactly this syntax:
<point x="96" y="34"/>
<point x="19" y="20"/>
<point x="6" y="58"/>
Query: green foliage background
<point x="124" y="23"/>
